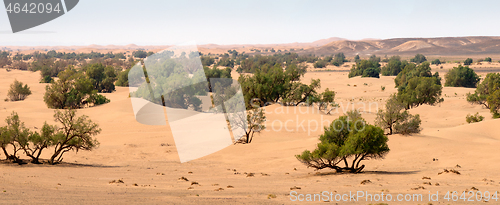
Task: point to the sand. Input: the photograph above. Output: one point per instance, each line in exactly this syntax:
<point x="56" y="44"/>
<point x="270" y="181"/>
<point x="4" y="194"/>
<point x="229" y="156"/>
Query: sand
<point x="145" y="157"/>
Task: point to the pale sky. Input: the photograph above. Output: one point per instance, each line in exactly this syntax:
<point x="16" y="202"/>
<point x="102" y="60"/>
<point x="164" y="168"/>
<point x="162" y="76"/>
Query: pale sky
<point x="166" y="22"/>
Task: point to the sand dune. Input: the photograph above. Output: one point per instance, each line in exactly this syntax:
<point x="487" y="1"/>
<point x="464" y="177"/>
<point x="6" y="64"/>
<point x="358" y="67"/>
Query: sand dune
<point x="145" y="157"/>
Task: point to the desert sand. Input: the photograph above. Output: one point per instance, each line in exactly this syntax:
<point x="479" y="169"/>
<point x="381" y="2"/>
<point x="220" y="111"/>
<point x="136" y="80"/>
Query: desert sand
<point x="145" y="157"/>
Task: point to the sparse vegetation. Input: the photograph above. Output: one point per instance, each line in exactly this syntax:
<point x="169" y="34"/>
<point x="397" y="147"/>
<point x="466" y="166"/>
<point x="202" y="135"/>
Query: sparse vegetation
<point x="474" y="118"/>
<point x="18" y="92"/>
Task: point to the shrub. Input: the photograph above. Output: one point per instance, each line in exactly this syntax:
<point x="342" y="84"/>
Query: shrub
<point x="18" y="92"/>
<point x="474" y="118"/>
<point x="320" y="64"/>
<point x="345" y="140"/>
<point x="409" y="124"/>
<point x="487" y="59"/>
<point x="461" y="77"/>
<point x="436" y="62"/>
<point x="365" y="68"/>
<point x="468" y="61"/>
<point x="393" y="117"/>
<point x="419" y="58"/>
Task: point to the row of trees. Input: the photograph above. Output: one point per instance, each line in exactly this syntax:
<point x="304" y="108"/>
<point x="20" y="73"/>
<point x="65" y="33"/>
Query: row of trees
<point x="73" y="134"/>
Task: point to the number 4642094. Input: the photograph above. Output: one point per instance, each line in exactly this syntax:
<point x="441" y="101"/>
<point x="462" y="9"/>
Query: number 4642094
<point x="471" y="196"/>
<point x="33" y="8"/>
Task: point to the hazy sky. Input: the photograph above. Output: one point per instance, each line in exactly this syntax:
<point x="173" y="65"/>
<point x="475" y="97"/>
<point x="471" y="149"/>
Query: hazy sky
<point x="162" y="22"/>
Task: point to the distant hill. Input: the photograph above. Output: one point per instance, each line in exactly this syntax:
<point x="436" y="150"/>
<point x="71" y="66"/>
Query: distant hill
<point x="411" y="46"/>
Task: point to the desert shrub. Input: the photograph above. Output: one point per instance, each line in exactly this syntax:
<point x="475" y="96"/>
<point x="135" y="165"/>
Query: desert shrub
<point x="468" y="61"/>
<point x="461" y="77"/>
<point x="487" y="59"/>
<point x="436" y="62"/>
<point x="382" y="88"/>
<point x="76" y="134"/>
<point x="410" y="124"/>
<point x="320" y="64"/>
<point x="395" y="115"/>
<point x="346" y="139"/>
<point x="419" y="58"/>
<point x="18" y="92"/>
<point x="474" y="118"/>
<point x="97" y="99"/>
<point x="487" y="87"/>
<point x="365" y="68"/>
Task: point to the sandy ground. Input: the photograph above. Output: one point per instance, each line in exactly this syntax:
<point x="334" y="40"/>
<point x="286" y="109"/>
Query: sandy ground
<point x="145" y="157"/>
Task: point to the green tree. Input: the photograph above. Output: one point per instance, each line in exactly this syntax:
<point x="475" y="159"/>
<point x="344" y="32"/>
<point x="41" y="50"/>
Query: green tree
<point x="365" y="68"/>
<point x="18" y="92"/>
<point x="436" y="62"/>
<point x="12" y="134"/>
<point x="412" y="71"/>
<point x="357" y="59"/>
<point x="461" y="77"/>
<point x="419" y="91"/>
<point x="36" y="142"/>
<point x="346" y="140"/>
<point x="487" y="59"/>
<point x="394" y="66"/>
<point x="392" y="114"/>
<point x="102" y="78"/>
<point x="494" y="103"/>
<point x="419" y="58"/>
<point x="76" y="134"/>
<point x="216" y="73"/>
<point x="122" y="79"/>
<point x="140" y="54"/>
<point x="487" y="87"/>
<point x="468" y="61"/>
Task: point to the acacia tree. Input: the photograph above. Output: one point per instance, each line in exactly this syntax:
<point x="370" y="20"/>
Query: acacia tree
<point x="487" y="87"/>
<point x="76" y="134"/>
<point x="12" y="134"/>
<point x="346" y="140"/>
<point x="37" y="142"/>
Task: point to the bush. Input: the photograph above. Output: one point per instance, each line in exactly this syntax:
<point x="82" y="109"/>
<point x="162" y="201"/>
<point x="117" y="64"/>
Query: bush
<point x="419" y="58"/>
<point x="409" y="124"/>
<point x="436" y="62"/>
<point x="140" y="54"/>
<point x="461" y="77"/>
<point x="468" y="61"/>
<point x="393" y="116"/>
<point x="18" y="92"/>
<point x="365" y="68"/>
<point x="487" y="59"/>
<point x="320" y="64"/>
<point x="474" y="118"/>
<point x="346" y="139"/>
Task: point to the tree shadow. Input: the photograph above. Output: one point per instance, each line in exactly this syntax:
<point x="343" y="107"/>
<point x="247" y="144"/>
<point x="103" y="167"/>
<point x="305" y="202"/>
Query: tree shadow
<point x="367" y="173"/>
<point x="44" y="163"/>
